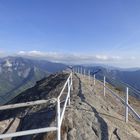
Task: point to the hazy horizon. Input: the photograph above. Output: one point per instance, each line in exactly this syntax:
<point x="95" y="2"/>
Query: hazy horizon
<point x="79" y="32"/>
<point x="74" y="64"/>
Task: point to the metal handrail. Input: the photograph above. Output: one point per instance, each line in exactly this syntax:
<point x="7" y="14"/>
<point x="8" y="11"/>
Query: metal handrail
<point x="64" y="86"/>
<point x="28" y="132"/>
<point x="27" y="104"/>
<point x="59" y="114"/>
<point x="121" y="99"/>
<point x="125" y="102"/>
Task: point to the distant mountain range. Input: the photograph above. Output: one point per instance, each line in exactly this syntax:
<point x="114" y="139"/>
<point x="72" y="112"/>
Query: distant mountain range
<point x="118" y="77"/>
<point x="18" y="74"/>
<point x="112" y="67"/>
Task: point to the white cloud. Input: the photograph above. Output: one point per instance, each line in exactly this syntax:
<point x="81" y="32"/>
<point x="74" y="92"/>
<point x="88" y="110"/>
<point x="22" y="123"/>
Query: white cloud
<point x="73" y="57"/>
<point x="21" y="52"/>
<point x="2" y="53"/>
<point x="133" y="58"/>
<point x="102" y="57"/>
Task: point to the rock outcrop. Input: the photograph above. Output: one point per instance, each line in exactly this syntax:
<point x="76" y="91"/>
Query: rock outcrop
<point x="91" y="116"/>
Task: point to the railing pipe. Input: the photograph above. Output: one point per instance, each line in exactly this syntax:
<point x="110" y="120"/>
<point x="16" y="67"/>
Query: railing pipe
<point x="27" y="104"/>
<point x="112" y="92"/>
<point x="81" y="71"/>
<point x="69" y="85"/>
<point x="94" y="79"/>
<point x="134" y="112"/>
<point x="89" y="74"/>
<point x="84" y="72"/>
<point x="64" y="87"/>
<point x="104" y="84"/>
<point x="126" y="105"/>
<point x="64" y="108"/>
<point x="125" y="102"/>
<point x="58" y="120"/>
<point x="59" y="116"/>
<point x="28" y="132"/>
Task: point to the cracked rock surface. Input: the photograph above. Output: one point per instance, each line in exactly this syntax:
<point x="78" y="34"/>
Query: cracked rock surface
<point x="90" y="116"/>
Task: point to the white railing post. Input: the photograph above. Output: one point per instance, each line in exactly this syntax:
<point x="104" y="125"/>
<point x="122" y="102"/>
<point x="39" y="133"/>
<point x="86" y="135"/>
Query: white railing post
<point x="126" y="105"/>
<point x="89" y="74"/>
<point x="69" y="84"/>
<point x="104" y="84"/>
<point x="94" y="79"/>
<point x="58" y="120"/>
<point x="84" y="72"/>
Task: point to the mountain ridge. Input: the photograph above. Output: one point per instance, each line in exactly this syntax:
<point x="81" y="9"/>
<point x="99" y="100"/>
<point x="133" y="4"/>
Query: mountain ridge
<point x="18" y="74"/>
<point x="129" y="77"/>
<point x="90" y="115"/>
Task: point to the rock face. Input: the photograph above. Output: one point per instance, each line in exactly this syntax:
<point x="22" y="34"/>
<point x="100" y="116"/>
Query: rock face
<point x="37" y="116"/>
<point x="18" y="74"/>
<point x="91" y="116"/>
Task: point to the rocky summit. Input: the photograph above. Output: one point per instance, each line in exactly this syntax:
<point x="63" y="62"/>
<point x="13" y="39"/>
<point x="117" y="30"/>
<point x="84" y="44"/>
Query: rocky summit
<point x="90" y="116"/>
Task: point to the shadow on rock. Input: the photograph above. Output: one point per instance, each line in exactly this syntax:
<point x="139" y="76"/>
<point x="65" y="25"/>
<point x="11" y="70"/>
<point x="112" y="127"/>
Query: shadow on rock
<point x="103" y="124"/>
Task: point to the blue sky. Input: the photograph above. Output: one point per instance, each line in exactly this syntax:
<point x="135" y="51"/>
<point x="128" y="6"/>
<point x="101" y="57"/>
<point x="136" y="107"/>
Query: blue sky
<point x="81" y="31"/>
